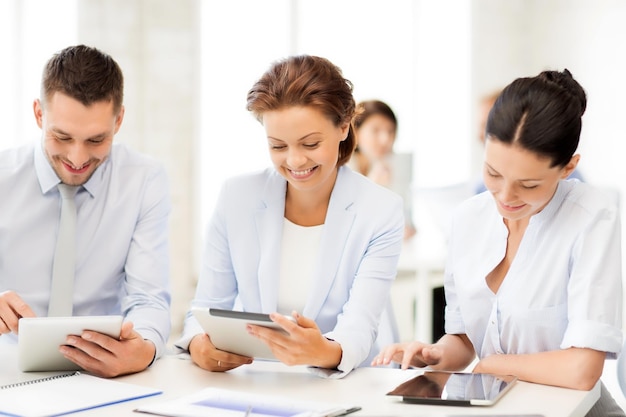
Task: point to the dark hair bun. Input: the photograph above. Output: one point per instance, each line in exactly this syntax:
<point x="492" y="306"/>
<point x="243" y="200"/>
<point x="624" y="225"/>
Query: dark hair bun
<point x="569" y="85"/>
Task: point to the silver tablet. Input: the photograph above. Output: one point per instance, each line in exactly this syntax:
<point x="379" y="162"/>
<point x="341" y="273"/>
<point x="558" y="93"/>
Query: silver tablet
<point x="227" y="330"/>
<point x="454" y="388"/>
<point x="40" y="337"/>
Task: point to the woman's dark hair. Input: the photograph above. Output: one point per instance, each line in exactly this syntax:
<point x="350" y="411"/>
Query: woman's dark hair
<point x="541" y="114"/>
<point x="310" y="81"/>
<point x="367" y="109"/>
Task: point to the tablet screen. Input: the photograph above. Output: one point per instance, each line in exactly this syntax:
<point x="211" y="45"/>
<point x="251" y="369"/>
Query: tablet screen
<point x="454" y="388"/>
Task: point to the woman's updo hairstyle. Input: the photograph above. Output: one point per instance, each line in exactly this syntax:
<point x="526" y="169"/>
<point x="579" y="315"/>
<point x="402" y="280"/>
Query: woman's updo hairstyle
<point x="542" y="114"/>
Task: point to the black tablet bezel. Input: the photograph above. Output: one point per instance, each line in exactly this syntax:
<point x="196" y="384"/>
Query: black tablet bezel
<point x="509" y="380"/>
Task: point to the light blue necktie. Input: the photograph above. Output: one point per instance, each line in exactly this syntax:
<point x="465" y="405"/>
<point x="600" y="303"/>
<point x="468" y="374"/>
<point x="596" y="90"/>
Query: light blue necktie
<point x="62" y="289"/>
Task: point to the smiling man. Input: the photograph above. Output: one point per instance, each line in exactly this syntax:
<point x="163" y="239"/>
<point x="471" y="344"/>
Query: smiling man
<point x="120" y="234"/>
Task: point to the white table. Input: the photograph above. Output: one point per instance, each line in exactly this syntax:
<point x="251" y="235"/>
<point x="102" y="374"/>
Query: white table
<point x="365" y="387"/>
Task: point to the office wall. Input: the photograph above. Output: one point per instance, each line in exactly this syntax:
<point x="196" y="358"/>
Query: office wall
<point x="30" y="30"/>
<point x="523" y="37"/>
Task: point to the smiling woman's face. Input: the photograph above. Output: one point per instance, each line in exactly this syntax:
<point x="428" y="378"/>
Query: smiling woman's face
<point x="304" y="146"/>
<point x="521" y="182"/>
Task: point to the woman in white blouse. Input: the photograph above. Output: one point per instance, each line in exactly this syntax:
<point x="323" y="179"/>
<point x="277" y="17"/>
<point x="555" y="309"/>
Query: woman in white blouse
<point x="533" y="277"/>
<point x="308" y="237"/>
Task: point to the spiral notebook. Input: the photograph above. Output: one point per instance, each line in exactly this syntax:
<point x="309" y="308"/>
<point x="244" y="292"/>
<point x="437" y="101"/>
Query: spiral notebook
<point x="67" y="393"/>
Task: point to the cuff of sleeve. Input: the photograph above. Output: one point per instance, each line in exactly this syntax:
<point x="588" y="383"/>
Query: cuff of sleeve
<point x="454" y="323"/>
<point x="593" y="335"/>
<point x="327" y="373"/>
<point x="192" y="328"/>
<point x="349" y="356"/>
<point x="152" y="336"/>
<point x="182" y="344"/>
<point x="336" y="373"/>
<point x="154" y="358"/>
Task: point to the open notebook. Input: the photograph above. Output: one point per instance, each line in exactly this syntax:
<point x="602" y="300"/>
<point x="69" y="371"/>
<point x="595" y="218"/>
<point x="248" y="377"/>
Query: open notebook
<point x="66" y="393"/>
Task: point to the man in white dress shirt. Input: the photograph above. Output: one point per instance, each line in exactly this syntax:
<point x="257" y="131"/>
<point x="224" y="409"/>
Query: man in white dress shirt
<point x="122" y="210"/>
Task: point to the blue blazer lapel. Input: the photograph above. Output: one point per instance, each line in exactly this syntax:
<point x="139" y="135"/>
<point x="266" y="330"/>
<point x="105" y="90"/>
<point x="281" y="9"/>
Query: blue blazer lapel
<point x="269" y="221"/>
<point x="337" y="226"/>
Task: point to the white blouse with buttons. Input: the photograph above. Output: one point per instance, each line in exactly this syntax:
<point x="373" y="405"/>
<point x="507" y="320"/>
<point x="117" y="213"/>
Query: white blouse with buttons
<point x="563" y="289"/>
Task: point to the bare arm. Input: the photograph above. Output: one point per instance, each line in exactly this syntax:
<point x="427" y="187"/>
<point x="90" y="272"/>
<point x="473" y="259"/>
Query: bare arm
<point x="457" y="352"/>
<point x="574" y="368"/>
<point x="452" y="352"/>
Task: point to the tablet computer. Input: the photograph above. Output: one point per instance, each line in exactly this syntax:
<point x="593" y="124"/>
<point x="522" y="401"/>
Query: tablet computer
<point x="454" y="388"/>
<point x="40" y="337"/>
<point x="227" y="330"/>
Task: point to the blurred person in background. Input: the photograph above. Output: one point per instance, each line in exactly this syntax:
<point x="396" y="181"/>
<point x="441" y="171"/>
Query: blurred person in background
<point x="376" y="129"/>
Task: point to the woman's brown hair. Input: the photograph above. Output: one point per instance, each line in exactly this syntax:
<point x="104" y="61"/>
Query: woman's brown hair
<point x="309" y="81"/>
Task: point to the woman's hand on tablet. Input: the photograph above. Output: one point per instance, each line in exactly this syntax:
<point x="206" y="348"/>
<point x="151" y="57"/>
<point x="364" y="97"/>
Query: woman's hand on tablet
<point x="407" y="354"/>
<point x="207" y="356"/>
<point x="303" y="344"/>
<point x="452" y="352"/>
<point x="12" y="308"/>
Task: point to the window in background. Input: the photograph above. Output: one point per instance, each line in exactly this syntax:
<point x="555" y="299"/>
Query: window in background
<point x="237" y="47"/>
<point x="8" y="73"/>
<point x="373" y="45"/>
<point x="30" y="32"/>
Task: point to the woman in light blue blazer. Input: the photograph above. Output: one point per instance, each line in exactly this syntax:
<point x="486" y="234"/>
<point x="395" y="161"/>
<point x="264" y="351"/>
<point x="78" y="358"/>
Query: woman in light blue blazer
<point x="308" y="237"/>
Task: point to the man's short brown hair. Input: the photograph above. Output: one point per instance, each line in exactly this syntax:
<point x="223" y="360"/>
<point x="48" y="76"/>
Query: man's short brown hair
<point x="85" y="74"/>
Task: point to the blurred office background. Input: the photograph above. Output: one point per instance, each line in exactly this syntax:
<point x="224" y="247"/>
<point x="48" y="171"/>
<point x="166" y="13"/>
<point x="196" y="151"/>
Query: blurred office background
<point x="189" y="64"/>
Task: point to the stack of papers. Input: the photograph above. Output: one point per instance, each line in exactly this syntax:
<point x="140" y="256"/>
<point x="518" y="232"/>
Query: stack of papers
<point x="217" y="402"/>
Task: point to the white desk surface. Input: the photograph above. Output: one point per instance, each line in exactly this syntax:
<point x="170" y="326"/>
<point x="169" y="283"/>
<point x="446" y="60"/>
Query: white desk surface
<point x="366" y="387"/>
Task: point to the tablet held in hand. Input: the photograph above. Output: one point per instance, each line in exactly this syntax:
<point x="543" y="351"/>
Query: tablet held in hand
<point x="227" y="330"/>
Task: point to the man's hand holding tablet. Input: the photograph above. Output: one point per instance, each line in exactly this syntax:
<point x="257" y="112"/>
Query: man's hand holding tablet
<point x="40" y="339"/>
